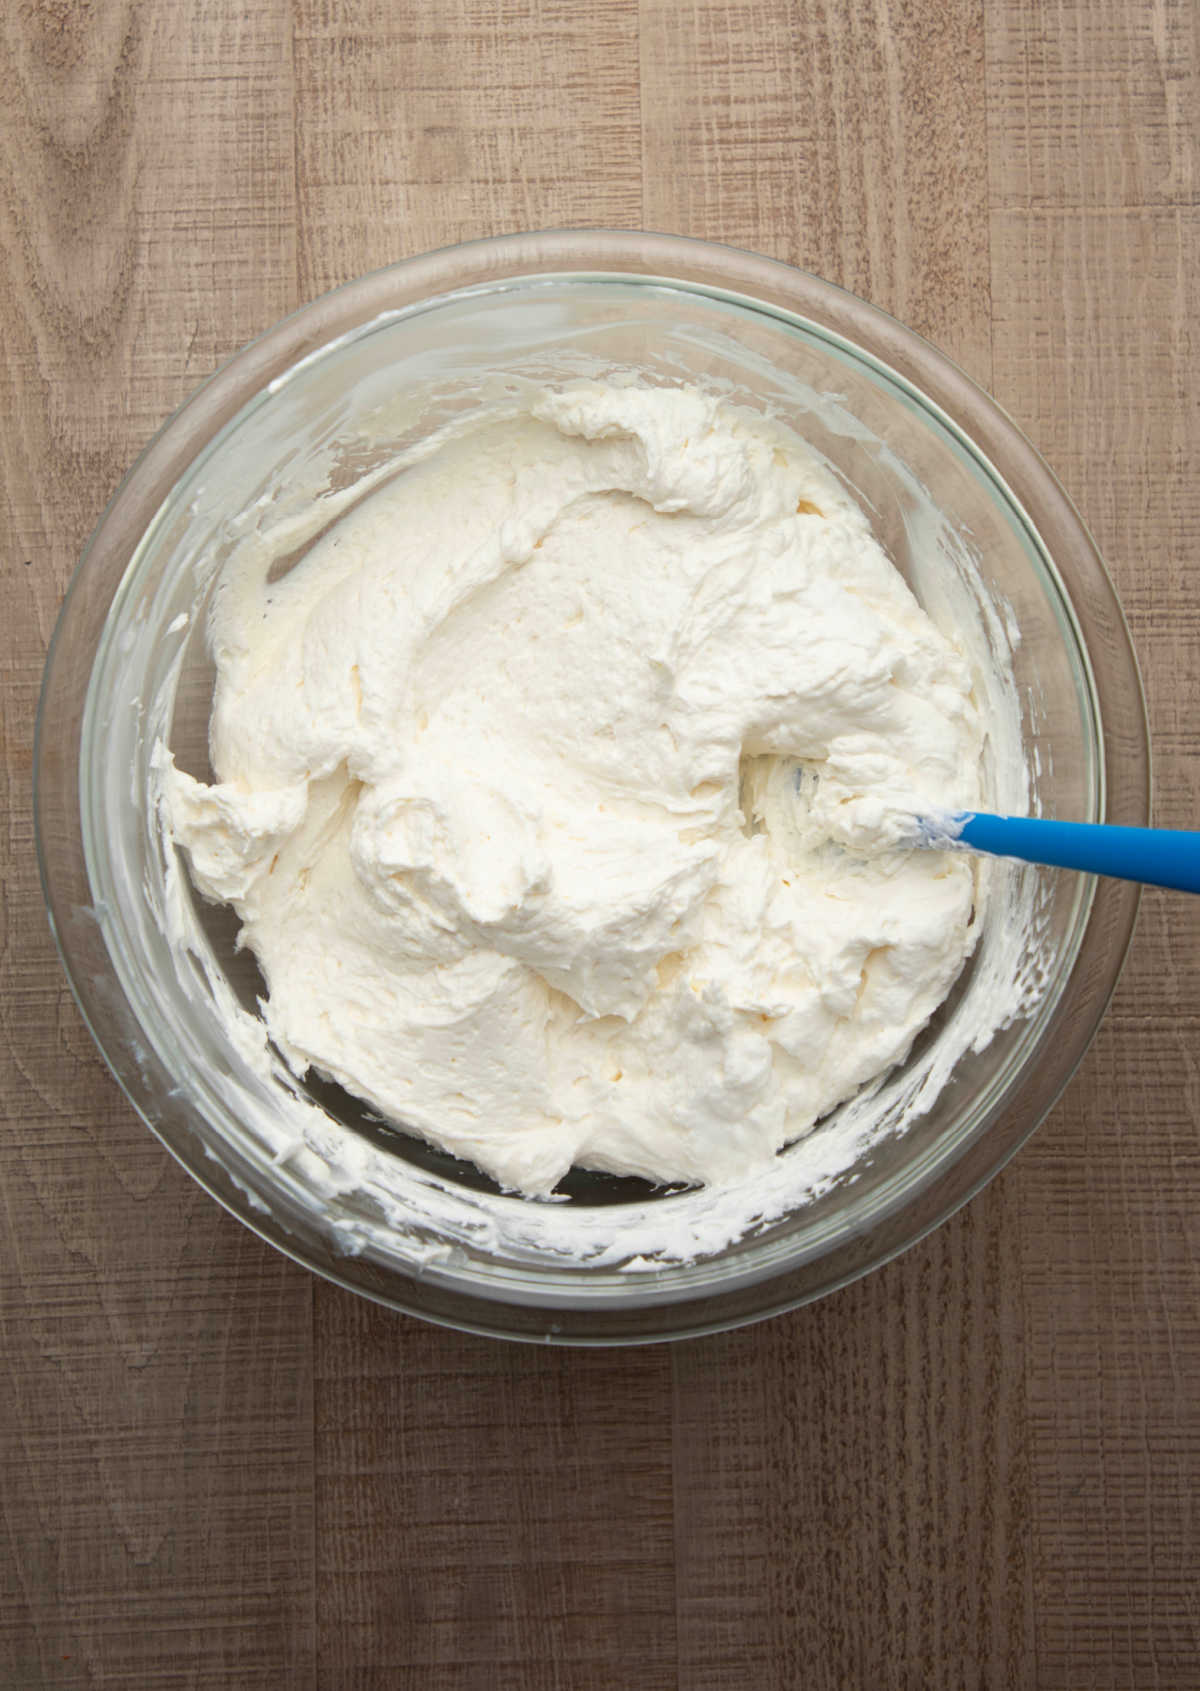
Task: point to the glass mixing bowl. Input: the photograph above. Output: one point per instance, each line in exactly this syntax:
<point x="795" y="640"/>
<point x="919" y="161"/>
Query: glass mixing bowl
<point x="325" y="400"/>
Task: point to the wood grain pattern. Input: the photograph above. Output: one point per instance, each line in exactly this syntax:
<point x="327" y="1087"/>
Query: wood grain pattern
<point x="844" y="136"/>
<point x="871" y="1452"/>
<point x="429" y="123"/>
<point x="155" y="1398"/>
<point x="978" y="1466"/>
<point x="1094" y="241"/>
<point x="489" y="1515"/>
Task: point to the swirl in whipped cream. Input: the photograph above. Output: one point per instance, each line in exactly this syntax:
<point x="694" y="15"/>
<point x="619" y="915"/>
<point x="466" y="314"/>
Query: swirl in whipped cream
<point x="562" y="788"/>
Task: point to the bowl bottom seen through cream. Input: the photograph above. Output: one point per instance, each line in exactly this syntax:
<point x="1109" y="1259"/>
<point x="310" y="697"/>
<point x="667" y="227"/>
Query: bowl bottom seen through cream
<point x="565" y="817"/>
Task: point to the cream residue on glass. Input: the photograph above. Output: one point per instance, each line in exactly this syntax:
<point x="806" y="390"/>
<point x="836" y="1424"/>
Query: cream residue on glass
<point x="561" y="790"/>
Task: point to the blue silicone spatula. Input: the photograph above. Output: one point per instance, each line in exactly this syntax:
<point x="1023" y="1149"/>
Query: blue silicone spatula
<point x="1159" y="857"/>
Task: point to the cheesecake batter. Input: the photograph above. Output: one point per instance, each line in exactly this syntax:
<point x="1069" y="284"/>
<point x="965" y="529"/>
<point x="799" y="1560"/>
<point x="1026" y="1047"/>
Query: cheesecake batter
<point x="561" y="788"/>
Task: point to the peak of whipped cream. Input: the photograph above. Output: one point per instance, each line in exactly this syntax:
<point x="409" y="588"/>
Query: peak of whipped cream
<point x="561" y="784"/>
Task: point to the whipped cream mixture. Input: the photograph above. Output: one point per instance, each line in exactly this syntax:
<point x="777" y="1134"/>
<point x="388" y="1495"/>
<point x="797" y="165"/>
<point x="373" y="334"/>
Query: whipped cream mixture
<point x="562" y="788"/>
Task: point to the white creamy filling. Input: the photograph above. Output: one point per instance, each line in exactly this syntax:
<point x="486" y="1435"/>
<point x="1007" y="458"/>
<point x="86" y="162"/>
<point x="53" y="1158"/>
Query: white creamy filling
<point x="562" y="788"/>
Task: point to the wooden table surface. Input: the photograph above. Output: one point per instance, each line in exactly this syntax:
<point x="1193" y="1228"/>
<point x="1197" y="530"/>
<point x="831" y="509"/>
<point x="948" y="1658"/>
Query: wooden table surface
<point x="976" y="1467"/>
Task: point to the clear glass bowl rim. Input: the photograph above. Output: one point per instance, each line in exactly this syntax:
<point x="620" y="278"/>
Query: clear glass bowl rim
<point x="945" y="391"/>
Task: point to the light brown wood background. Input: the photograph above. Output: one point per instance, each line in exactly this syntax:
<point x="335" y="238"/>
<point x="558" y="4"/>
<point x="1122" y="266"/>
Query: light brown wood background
<point x="978" y="1467"/>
